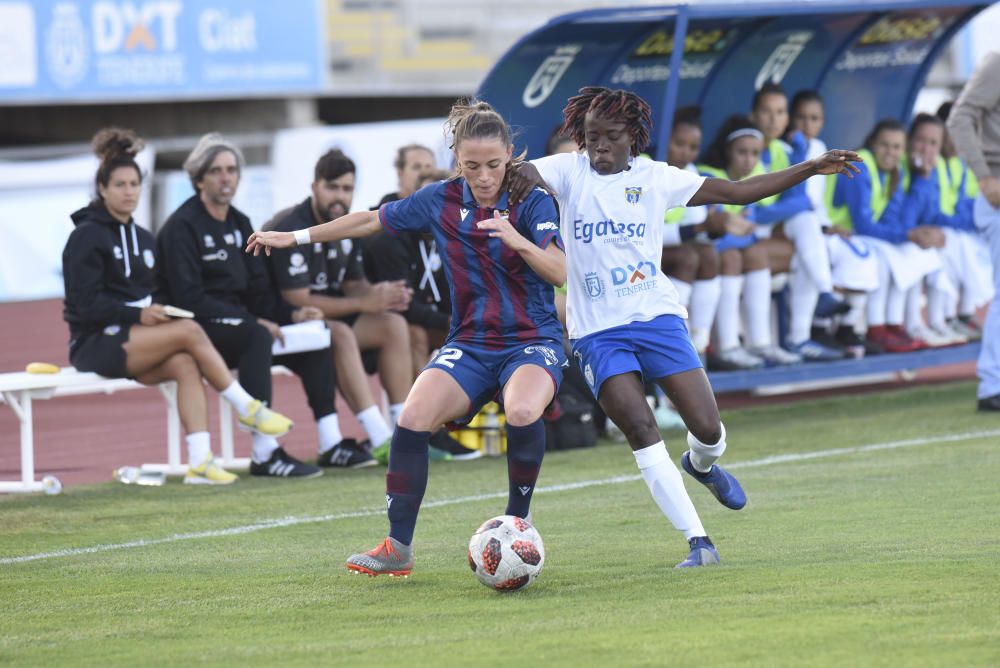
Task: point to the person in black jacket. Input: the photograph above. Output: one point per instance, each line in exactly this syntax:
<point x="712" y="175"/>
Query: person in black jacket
<point x="116" y="328"/>
<point x="231" y="296"/>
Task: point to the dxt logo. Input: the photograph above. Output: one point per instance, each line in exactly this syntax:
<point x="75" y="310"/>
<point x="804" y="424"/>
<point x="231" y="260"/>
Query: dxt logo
<point x="130" y="25"/>
<point x="633" y="274"/>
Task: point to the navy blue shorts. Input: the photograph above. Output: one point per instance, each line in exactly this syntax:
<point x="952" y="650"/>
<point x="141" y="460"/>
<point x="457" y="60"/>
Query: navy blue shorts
<point x="729" y="242"/>
<point x="482" y="373"/>
<point x="658" y="348"/>
<point x="101" y="352"/>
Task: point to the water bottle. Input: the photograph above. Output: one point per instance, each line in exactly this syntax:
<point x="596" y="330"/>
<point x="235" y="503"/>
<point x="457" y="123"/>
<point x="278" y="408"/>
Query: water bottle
<point x="134" y="475"/>
<point x="491" y="432"/>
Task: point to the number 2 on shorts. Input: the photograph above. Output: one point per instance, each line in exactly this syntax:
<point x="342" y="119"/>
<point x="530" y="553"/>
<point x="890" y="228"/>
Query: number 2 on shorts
<point x="448" y="357"/>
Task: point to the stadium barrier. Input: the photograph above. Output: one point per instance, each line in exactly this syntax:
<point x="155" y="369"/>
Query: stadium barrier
<point x="20" y="389"/>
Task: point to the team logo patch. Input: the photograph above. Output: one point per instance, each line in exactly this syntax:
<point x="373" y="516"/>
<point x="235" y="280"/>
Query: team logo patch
<point x="209" y="241"/>
<point x="297" y="264"/>
<point x="546" y="352"/>
<point x="594" y="285"/>
<point x="588" y="373"/>
<point x="118" y="253"/>
<point x="633" y="194"/>
<point x="548" y="74"/>
<point x="148" y="258"/>
<point x="230" y="239"/>
<point x="111" y="330"/>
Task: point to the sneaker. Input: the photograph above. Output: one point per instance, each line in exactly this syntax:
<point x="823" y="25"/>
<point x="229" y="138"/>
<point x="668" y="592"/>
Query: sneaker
<point x="930" y="336"/>
<point x="852" y="341"/>
<point x="263" y="420"/>
<point x="813" y="351"/>
<point x="719" y="482"/>
<point x="283" y="465"/>
<point x="348" y="454"/>
<point x="703" y="553"/>
<point x="390" y="558"/>
<point x="775" y="356"/>
<point x="967" y="325"/>
<point x="734" y="359"/>
<point x="828" y="305"/>
<point x="209" y="473"/>
<point x="381" y="452"/>
<point x="823" y="337"/>
<point x="989" y="403"/>
<point x="950" y="334"/>
<point x="905" y="338"/>
<point x="890" y="339"/>
<point x="443" y="441"/>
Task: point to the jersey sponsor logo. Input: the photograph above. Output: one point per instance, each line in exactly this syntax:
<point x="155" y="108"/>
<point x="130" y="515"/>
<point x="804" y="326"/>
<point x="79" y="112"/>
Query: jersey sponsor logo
<point x="594" y="285"/>
<point x="541" y="227"/>
<point x="297" y="264"/>
<point x="321" y="283"/>
<point x="209" y="241"/>
<point x="546" y="352"/>
<point x="548" y="74"/>
<point x="230" y="239"/>
<point x="633" y="194"/>
<point x="632" y="279"/>
<point x="609" y="231"/>
<point x="148" y="258"/>
<point x="221" y="255"/>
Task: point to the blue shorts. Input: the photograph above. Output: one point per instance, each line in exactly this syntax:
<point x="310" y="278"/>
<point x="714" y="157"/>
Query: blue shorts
<point x="728" y="242"/>
<point x="656" y="349"/>
<point x="482" y="373"/>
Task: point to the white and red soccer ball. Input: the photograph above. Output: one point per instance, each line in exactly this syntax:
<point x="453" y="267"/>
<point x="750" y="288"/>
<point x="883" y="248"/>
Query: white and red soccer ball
<point x="506" y="553"/>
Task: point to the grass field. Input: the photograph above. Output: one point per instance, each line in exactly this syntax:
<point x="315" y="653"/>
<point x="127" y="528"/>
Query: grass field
<point x="879" y="556"/>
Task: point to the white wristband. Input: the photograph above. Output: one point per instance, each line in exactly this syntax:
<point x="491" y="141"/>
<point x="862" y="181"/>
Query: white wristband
<point x="302" y="237"/>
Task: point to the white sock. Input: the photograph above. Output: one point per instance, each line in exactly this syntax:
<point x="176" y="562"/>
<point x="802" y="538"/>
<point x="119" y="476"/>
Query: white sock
<point x="895" y="306"/>
<point x="914" y="318"/>
<point x="395" y="410"/>
<point x="683" y="291"/>
<point x="936" y="307"/>
<point x="704" y="305"/>
<point x="373" y="422"/>
<point x="878" y="300"/>
<point x="237" y="397"/>
<point x="857" y="301"/>
<point x="806" y="232"/>
<point x="262" y="447"/>
<point x="757" y="307"/>
<point x="328" y="428"/>
<point x="665" y="484"/>
<point x="703" y="456"/>
<point x="199" y="447"/>
<point x="802" y="299"/>
<point x="727" y="319"/>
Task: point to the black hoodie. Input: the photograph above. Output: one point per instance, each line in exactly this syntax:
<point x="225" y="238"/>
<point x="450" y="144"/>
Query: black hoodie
<point x="105" y="265"/>
<point x="205" y="270"/>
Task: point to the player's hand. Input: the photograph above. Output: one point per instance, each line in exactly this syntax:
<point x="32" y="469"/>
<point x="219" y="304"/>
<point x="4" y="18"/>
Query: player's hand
<point x="837" y="162"/>
<point x="273" y="329"/>
<point x="927" y="236"/>
<point x="387" y="296"/>
<point x="306" y="313"/>
<point x="833" y="230"/>
<point x="500" y="228"/>
<point x="990" y="187"/>
<point x="267" y="240"/>
<point x="738" y="226"/>
<point x="522" y="178"/>
<point x="153" y="315"/>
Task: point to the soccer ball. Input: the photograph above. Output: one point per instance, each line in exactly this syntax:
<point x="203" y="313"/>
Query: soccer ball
<point x="506" y="553"/>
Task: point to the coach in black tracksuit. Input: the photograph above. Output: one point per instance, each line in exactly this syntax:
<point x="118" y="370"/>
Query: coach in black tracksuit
<point x="205" y="270"/>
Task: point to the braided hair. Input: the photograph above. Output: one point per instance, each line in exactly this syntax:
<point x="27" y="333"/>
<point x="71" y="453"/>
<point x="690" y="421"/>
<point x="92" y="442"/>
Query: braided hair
<point x="617" y="105"/>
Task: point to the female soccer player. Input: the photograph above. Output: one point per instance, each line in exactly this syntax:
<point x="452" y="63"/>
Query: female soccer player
<point x="624" y="318"/>
<point x="118" y="331"/>
<point x="501" y="261"/>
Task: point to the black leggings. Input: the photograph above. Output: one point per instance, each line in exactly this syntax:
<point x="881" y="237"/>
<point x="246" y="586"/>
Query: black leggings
<point x="246" y="346"/>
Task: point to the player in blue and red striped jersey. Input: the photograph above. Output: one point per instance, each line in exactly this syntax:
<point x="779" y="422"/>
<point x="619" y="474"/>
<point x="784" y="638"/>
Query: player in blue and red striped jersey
<point x="501" y="262"/>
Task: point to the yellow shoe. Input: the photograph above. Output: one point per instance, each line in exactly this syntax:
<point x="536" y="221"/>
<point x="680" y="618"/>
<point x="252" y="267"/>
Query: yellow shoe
<point x="209" y="473"/>
<point x="263" y="420"/>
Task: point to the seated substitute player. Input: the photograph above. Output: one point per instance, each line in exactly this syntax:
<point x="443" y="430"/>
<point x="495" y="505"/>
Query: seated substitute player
<point x="624" y="318"/>
<point x="362" y="317"/>
<point x="502" y="261"/>
<point x="116" y="328"/>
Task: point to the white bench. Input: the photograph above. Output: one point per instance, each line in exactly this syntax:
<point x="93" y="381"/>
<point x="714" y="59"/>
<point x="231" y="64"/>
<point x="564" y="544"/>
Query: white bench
<point x="20" y="389"/>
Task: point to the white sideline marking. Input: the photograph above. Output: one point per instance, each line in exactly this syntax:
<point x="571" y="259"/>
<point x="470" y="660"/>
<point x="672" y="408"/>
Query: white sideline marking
<point x="291" y="521"/>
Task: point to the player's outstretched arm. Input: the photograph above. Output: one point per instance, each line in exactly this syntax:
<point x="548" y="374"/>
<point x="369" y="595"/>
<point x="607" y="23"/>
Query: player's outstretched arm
<point x="747" y="191"/>
<point x="351" y="226"/>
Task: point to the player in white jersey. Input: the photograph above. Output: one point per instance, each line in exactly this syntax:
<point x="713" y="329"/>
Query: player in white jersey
<point x="624" y="318"/>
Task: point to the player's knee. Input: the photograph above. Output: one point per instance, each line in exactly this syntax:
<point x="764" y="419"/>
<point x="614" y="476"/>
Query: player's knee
<point x="340" y="332"/>
<point x="521" y="413"/>
<point x="708" y="261"/>
<point x="416" y="418"/>
<point x="192" y="333"/>
<point x="182" y="366"/>
<point x="707" y="431"/>
<point x="640" y="429"/>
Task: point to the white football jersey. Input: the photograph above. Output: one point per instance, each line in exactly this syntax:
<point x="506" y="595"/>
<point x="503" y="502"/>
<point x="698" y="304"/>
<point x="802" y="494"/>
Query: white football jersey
<point x="613" y="229"/>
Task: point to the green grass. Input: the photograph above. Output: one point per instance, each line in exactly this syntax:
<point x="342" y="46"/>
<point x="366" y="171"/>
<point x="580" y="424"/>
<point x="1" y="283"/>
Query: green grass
<point x="888" y="557"/>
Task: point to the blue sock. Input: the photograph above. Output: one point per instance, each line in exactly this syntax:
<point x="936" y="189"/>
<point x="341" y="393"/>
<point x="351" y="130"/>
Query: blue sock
<point x="406" y="481"/>
<point x="525" y="449"/>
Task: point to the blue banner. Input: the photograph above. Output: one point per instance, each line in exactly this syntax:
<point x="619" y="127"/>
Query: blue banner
<point x="101" y="50"/>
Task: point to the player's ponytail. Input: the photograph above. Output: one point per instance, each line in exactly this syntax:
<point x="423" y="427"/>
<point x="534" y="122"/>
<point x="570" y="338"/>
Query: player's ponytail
<point x="115" y="147"/>
<point x="475" y="119"/>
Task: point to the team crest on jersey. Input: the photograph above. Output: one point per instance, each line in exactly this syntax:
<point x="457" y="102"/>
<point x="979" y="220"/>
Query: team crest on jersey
<point x="148" y="258"/>
<point x="209" y="241"/>
<point x="633" y="194"/>
<point x="594" y="285"/>
<point x="546" y="352"/>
